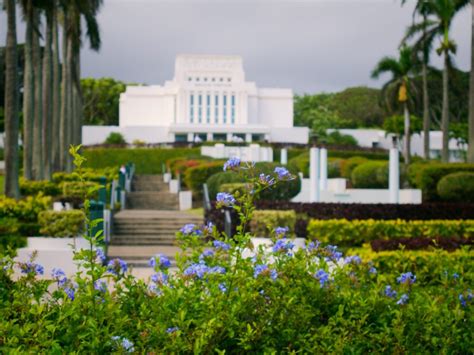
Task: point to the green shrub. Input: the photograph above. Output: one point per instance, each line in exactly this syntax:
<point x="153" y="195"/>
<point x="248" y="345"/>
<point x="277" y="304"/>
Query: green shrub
<point x="457" y="187"/>
<point x="300" y="164"/>
<point x="24" y="210"/>
<point x="115" y="138"/>
<point x="234" y="188"/>
<point x="370" y="175"/>
<point x="181" y="166"/>
<point x="196" y="176"/>
<point x="30" y="187"/>
<point x="354" y="233"/>
<point x="11" y="242"/>
<point x="334" y="167"/>
<point x="348" y="165"/>
<point x="75" y="190"/>
<point x="9" y="226"/>
<point x="427" y="176"/>
<point x="61" y="223"/>
<point x="282" y="192"/>
<point x="89" y="174"/>
<point x="146" y="160"/>
<point x="265" y="221"/>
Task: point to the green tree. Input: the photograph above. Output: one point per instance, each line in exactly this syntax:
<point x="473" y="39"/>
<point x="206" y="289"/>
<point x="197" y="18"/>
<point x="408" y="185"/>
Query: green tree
<point x="11" y="105"/>
<point x="396" y="125"/>
<point x="399" y="85"/>
<point x="101" y="100"/>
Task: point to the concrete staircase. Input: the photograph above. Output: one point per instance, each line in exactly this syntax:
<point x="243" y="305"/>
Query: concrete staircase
<point x="149" y="224"/>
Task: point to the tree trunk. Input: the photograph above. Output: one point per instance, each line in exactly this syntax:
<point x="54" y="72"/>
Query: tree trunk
<point x="426" y="100"/>
<point x="47" y="95"/>
<point x="11" y="105"/>
<point x="56" y="111"/>
<point x="78" y="101"/>
<point x="63" y="126"/>
<point x="470" y="153"/>
<point x="407" y="148"/>
<point x="445" y="112"/>
<point x="28" y="94"/>
<point x="69" y="102"/>
<point x="38" y="116"/>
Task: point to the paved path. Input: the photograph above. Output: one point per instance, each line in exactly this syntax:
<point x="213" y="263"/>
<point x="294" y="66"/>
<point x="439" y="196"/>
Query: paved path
<point x="148" y="226"/>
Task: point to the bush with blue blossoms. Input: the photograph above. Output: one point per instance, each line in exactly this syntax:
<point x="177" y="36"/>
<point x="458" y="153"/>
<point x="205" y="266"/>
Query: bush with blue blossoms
<point x="219" y="299"/>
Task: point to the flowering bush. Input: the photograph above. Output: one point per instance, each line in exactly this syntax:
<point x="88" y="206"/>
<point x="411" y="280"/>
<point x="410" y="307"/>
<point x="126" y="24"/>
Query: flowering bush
<point x="228" y="296"/>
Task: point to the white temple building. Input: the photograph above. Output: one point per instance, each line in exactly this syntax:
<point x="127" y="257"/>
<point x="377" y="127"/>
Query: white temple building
<point x="207" y="100"/>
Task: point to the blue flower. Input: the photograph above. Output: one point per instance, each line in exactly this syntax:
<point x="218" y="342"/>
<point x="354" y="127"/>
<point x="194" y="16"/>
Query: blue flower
<point x="99" y="252"/>
<point x="222" y="287"/>
<point x="221" y="245"/>
<point x="232" y="164"/>
<point x="455" y="276"/>
<point x="322" y="276"/>
<point x="372" y="270"/>
<point x="263" y="270"/>
<point x="332" y="249"/>
<point x="59" y="276"/>
<point x="209" y="228"/>
<point x="403" y="299"/>
<point x="313" y="245"/>
<point x="283" y="245"/>
<point x="406" y="278"/>
<point x="208" y="253"/>
<point x="217" y="270"/>
<point x="353" y="259"/>
<point x="281" y="231"/>
<point x="172" y="330"/>
<point x="70" y="292"/>
<point x="198" y="270"/>
<point x="225" y="199"/>
<point x="462" y="300"/>
<point x="117" y="266"/>
<point x="266" y="180"/>
<point x="159" y="260"/>
<point x="283" y="173"/>
<point x="160" y="278"/>
<point x="389" y="292"/>
<point x="101" y="286"/>
<point x="188" y="229"/>
<point x="30" y="267"/>
<point x="124" y="343"/>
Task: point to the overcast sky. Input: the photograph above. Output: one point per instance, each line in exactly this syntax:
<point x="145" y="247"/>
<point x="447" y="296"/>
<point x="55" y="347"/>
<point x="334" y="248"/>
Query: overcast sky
<point x="307" y="45"/>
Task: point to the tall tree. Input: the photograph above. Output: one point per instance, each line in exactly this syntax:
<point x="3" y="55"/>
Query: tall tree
<point x="470" y="155"/>
<point x="55" y="148"/>
<point x="11" y="105"/>
<point x="28" y="89"/>
<point x="438" y="27"/>
<point x="400" y="84"/>
<point x="422" y="9"/>
<point x="37" y="166"/>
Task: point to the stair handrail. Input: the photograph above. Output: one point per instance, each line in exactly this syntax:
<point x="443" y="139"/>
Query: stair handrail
<point x="206" y="199"/>
<point x="227" y="223"/>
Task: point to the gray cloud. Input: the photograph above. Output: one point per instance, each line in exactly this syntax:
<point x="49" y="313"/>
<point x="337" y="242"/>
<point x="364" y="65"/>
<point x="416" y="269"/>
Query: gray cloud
<point x="308" y="45"/>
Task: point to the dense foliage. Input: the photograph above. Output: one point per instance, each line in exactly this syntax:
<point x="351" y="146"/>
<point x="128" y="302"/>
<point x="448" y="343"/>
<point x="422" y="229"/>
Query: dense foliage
<point x="370" y="175"/>
<point x="222" y="299"/>
<point x="264" y="221"/>
<point x="61" y="223"/>
<point x="115" y="138"/>
<point x="456" y="187"/>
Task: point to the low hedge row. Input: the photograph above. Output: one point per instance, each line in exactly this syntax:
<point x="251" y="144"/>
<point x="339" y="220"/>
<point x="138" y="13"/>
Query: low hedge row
<point x="421" y="243"/>
<point x="146" y="160"/>
<point x="426" y="176"/>
<point x="61" y="223"/>
<point x="264" y="222"/>
<point x="196" y="177"/>
<point x="357" y="232"/>
<point x="456" y="187"/>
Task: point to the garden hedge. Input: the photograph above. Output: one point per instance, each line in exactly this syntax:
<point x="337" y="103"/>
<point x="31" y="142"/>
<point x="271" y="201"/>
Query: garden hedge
<point x="421" y="243"/>
<point x="457" y="187"/>
<point x="301" y="164"/>
<point x="370" y="175"/>
<point x="264" y="222"/>
<point x="196" y="177"/>
<point x="61" y="223"/>
<point x="357" y="232"/>
<point x="146" y="160"/>
<point x="31" y="187"/>
<point x="348" y="165"/>
<point x="426" y="176"/>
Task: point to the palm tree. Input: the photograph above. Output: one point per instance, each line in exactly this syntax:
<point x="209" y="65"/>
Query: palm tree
<point x="37" y="166"/>
<point x="28" y="89"/>
<point x="470" y="155"/>
<point x="55" y="148"/>
<point x="421" y="8"/>
<point x="11" y="104"/>
<point x="443" y="12"/>
<point x="400" y="84"/>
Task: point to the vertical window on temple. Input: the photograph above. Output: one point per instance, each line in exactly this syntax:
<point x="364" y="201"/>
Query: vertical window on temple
<point x="200" y="108"/>
<point x="216" y="108"/>
<point x="224" y="109"/>
<point x="232" y="103"/>
<point x="191" y="108"/>
<point x="208" y="110"/>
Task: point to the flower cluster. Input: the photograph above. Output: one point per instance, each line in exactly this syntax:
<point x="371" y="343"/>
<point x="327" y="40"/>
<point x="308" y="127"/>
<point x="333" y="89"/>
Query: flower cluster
<point x="281" y="231"/>
<point x="333" y="253"/>
<point x="117" y="266"/>
<point x="266" y="180"/>
<point x="160" y="261"/>
<point x="283" y="174"/>
<point x="59" y="275"/>
<point x="465" y="298"/>
<point x="283" y="245"/>
<point x="200" y="270"/>
<point x="264" y="270"/>
<point x="101" y="286"/>
<point x="353" y="259"/>
<point x="322" y="276"/>
<point x="124" y="344"/>
<point x="390" y="292"/>
<point x="232" y="164"/>
<point x="189" y="229"/>
<point x="406" y="278"/>
<point x="221" y="245"/>
<point x="225" y="199"/>
<point x="403" y="299"/>
<point x="31" y="267"/>
<point x="64" y="283"/>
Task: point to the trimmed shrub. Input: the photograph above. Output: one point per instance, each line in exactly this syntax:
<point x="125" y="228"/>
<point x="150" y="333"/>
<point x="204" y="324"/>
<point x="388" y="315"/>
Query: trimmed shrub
<point x="427" y="176"/>
<point x="95" y="175"/>
<point x="146" y="160"/>
<point x="24" y="210"/>
<point x="334" y="167"/>
<point x="61" y="223"/>
<point x="421" y="243"/>
<point x="457" y="187"/>
<point x="348" y="165"/>
<point x="264" y="222"/>
<point x="77" y="190"/>
<point x="115" y="138"/>
<point x="197" y="176"/>
<point x="11" y="242"/>
<point x="30" y="187"/>
<point x="281" y="192"/>
<point x="354" y="233"/>
<point x="9" y="226"/>
<point x="370" y="175"/>
<point x="181" y="166"/>
<point x="301" y="164"/>
<point x="234" y="188"/>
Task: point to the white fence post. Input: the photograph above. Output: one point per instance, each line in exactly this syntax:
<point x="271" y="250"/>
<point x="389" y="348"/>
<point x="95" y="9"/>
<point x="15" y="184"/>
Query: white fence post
<point x="314" y="195"/>
<point x="323" y="182"/>
<point x="394" y="176"/>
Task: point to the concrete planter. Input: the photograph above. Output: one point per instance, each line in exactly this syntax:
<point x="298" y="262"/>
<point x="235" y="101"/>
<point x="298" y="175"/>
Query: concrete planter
<point x="174" y="186"/>
<point x="53" y="253"/>
<point x="185" y="200"/>
<point x="166" y="178"/>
